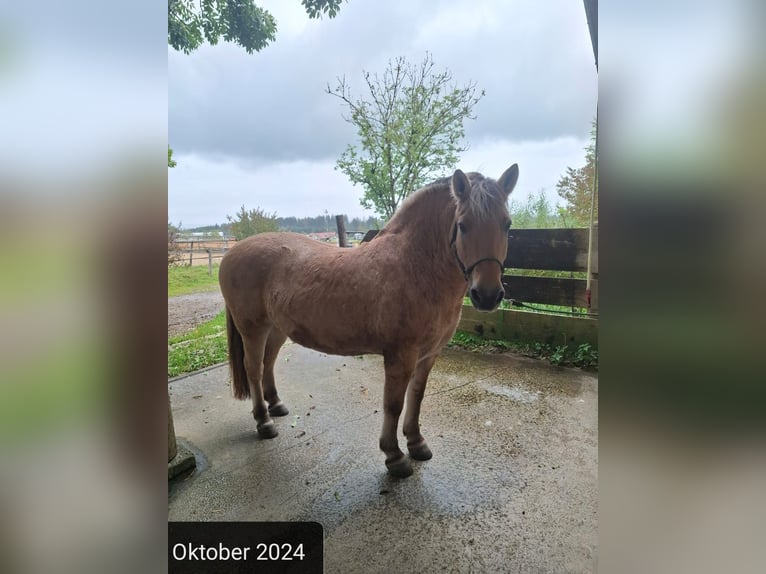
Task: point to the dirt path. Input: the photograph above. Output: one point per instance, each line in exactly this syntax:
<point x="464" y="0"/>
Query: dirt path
<point x="187" y="311"/>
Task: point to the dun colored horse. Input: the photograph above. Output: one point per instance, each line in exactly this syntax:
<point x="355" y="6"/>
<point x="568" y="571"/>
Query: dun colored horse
<point x="399" y="296"/>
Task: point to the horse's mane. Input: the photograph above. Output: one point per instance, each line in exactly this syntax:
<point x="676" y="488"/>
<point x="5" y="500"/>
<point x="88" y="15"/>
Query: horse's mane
<point x="484" y="198"/>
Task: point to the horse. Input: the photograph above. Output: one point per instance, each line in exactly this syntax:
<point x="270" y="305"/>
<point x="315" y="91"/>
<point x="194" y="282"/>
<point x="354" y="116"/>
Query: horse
<point x="399" y="296"/>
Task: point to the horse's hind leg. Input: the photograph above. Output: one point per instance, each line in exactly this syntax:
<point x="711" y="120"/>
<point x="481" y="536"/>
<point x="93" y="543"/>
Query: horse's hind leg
<point x="416" y="444"/>
<point x="255" y="344"/>
<point x="274" y="343"/>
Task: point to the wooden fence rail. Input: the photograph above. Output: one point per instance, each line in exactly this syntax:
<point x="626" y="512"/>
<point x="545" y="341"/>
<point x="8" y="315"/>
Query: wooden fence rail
<point x="563" y="250"/>
<point x="200" y="251"/>
<point x="531" y="251"/>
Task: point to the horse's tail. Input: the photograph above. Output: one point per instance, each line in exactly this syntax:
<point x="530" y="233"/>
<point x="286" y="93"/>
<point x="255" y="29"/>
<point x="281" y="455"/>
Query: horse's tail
<point x="239" y="385"/>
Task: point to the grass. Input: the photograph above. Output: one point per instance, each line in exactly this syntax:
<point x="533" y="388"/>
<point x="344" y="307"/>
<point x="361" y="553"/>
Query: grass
<point x="202" y="347"/>
<point x="544" y="308"/>
<point x="537" y="308"/>
<point x="184" y="280"/>
<point x="205" y="345"/>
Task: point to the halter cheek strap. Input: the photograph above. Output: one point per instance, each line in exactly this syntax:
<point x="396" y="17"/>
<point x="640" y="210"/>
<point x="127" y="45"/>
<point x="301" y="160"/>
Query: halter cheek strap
<point x="468" y="270"/>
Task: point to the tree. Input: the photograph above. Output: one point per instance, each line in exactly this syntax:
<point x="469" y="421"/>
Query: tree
<point x="410" y="130"/>
<point x="174" y="250"/>
<point x="192" y="22"/>
<point x="171" y="161"/>
<point x="534" y="213"/>
<point x="247" y="223"/>
<point x="576" y="187"/>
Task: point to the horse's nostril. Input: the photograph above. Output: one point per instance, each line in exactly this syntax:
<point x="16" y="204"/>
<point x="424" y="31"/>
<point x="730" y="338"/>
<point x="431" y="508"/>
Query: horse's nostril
<point x="475" y="295"/>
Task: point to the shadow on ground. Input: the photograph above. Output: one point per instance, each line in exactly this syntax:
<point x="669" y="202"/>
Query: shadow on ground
<point x="512" y="486"/>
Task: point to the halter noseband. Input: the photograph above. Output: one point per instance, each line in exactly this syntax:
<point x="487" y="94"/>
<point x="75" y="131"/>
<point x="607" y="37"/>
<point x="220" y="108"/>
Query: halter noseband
<point x="468" y="270"/>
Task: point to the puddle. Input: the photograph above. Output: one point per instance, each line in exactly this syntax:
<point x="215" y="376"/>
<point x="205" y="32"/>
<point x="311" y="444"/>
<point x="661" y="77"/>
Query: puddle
<point x="182" y="481"/>
<point x="518" y="395"/>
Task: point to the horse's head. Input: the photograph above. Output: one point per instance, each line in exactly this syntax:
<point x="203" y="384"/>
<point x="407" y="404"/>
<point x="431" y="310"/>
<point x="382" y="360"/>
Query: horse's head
<point x="480" y="233"/>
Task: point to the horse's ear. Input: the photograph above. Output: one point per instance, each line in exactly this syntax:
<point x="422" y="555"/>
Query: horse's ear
<point x="461" y="187"/>
<point x="509" y="178"/>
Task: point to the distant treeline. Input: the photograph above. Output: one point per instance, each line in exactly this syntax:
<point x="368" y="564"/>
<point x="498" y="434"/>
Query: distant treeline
<point x="325" y="223"/>
<point x="534" y="212"/>
<point x="316" y="224"/>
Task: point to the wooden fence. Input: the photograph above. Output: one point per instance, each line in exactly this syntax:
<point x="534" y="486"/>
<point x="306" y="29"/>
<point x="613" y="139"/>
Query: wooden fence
<point x="562" y="250"/>
<point x="202" y="251"/>
<point x="529" y="250"/>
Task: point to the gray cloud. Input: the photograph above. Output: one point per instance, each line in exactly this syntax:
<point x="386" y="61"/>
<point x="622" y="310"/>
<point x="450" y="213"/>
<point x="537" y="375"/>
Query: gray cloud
<point x="534" y="62"/>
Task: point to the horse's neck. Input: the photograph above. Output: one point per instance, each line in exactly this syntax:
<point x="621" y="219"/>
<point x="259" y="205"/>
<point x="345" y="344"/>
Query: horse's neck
<point x="427" y="223"/>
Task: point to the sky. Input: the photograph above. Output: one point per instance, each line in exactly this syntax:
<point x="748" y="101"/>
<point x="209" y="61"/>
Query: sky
<point x="259" y="130"/>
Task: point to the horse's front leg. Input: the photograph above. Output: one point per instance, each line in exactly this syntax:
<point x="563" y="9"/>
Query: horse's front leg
<point x="399" y="367"/>
<point x="416" y="444"/>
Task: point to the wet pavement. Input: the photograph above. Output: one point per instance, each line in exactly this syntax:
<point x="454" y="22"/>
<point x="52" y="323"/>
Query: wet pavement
<point x="512" y="485"/>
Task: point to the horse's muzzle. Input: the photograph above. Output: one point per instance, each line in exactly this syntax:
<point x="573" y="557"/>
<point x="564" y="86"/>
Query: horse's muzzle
<point x="486" y="299"/>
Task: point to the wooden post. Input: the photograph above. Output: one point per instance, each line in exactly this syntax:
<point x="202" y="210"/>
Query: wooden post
<point x="191" y="252"/>
<point x="209" y="262"/>
<point x="172" y="448"/>
<point x="593" y="275"/>
<point x="342" y="242"/>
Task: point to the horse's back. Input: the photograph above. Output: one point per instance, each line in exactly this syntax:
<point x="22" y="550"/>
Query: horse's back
<point x="265" y="251"/>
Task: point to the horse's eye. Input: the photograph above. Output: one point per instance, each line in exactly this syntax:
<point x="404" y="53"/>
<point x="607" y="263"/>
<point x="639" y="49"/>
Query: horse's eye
<point x="461" y="227"/>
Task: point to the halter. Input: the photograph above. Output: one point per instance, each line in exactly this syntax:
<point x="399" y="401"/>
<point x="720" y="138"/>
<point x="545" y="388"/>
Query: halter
<point x="468" y="270"/>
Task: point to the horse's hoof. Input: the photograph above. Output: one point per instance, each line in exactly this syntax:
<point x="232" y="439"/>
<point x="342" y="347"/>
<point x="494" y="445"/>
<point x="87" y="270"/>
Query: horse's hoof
<point x="400" y="468"/>
<point x="420" y="451"/>
<point x="279" y="409"/>
<point x="267" y="430"/>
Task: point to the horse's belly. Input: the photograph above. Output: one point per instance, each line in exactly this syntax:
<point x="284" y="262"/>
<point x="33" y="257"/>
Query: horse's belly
<point x="331" y="343"/>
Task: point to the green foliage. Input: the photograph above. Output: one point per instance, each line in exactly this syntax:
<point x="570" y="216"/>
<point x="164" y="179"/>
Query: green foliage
<point x="191" y="22"/>
<point x="471" y="342"/>
<point x="539" y="307"/>
<point x="325" y="223"/>
<point x="536" y="212"/>
<point x="543" y="307"/>
<point x="314" y="224"/>
<point x="185" y="280"/>
<point x="174" y="251"/>
<point x="204" y="346"/>
<point x="247" y="223"/>
<point x="586" y="356"/>
<point x="583" y="356"/>
<point x="576" y="187"/>
<point x="557" y="356"/>
<point x="316" y="8"/>
<point x="171" y="161"/>
<point x="410" y="130"/>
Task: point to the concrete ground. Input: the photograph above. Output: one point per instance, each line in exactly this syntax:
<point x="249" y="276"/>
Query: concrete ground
<point x="512" y="485"/>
